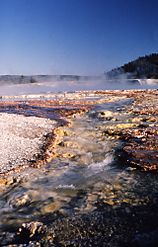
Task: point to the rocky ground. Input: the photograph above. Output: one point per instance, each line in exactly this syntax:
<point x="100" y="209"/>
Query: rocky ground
<point x="139" y="132"/>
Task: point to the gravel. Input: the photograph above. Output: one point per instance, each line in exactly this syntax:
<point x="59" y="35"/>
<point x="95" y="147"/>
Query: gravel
<point x="21" y="139"/>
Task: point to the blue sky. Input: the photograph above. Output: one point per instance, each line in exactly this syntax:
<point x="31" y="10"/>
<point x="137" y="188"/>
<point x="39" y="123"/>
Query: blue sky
<point x="74" y="36"/>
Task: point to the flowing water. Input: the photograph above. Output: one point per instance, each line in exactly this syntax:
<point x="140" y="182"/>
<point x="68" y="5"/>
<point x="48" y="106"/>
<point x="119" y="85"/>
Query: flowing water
<point x="85" y="171"/>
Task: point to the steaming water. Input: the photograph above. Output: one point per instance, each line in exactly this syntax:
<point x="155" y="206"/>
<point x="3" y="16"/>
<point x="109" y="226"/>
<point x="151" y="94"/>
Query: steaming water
<point x="60" y="86"/>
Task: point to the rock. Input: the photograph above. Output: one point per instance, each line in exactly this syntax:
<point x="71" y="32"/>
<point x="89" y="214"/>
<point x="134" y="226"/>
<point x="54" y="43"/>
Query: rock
<point x="30" y="229"/>
<point x="20" y="201"/>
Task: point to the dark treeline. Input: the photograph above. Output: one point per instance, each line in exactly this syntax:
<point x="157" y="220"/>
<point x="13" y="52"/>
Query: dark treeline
<point x="143" y="67"/>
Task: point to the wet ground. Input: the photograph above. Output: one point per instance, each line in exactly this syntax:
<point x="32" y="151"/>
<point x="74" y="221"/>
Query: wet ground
<point x="101" y="187"/>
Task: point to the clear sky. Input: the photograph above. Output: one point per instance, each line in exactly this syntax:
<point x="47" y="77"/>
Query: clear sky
<point x="75" y="36"/>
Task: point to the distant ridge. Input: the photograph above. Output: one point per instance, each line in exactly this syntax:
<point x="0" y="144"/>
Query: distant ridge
<point x="145" y="67"/>
<point x="24" y="79"/>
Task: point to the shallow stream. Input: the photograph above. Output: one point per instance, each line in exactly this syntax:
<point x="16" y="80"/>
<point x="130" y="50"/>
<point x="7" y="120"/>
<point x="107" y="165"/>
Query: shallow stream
<point x="86" y="171"/>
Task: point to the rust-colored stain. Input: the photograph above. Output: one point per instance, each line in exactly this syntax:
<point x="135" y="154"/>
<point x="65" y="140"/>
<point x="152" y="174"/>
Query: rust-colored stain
<point x="140" y="144"/>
